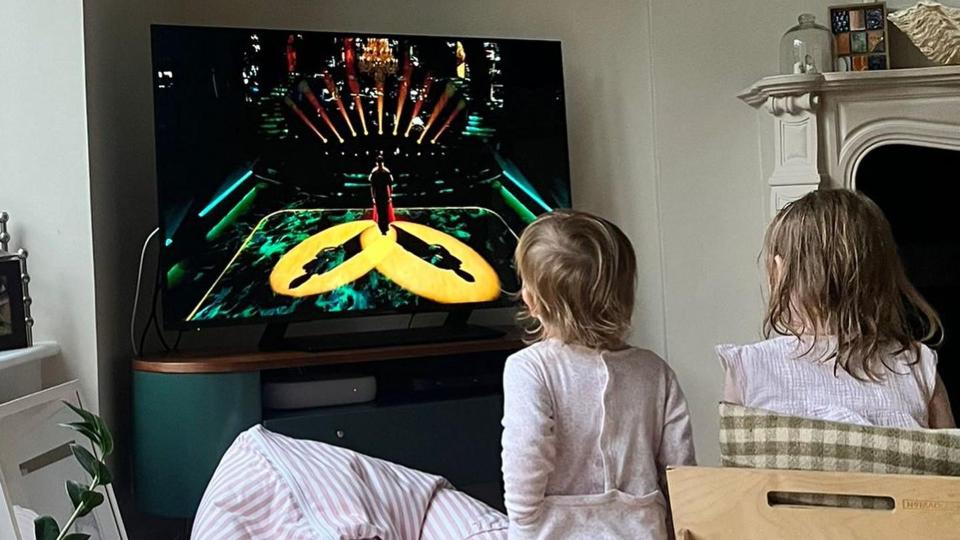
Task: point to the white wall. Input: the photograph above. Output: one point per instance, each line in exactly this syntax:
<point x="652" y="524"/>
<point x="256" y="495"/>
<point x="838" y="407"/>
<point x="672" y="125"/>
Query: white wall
<point x="44" y="182"/>
<point x="712" y="198"/>
<point x="122" y="189"/>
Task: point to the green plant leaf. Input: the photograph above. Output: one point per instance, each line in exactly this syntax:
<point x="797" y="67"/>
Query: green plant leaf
<point x="86" y="459"/>
<point x="86" y="429"/>
<point x="94" y="467"/>
<point x="94" y="428"/>
<point x="80" y="495"/>
<point x="46" y="528"/>
<point x="76" y="491"/>
<point x="92" y="500"/>
<point x="85" y="414"/>
<point x="106" y="438"/>
<point x="105" y="476"/>
<point x="76" y="536"/>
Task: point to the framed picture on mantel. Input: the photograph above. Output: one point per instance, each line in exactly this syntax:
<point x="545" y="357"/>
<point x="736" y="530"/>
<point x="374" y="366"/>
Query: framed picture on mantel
<point x="13" y="325"/>
<point x="860" y="37"/>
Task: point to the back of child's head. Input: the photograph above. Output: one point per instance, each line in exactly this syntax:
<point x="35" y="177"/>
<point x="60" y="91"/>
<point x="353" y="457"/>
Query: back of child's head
<point x="834" y="271"/>
<point x="579" y="278"/>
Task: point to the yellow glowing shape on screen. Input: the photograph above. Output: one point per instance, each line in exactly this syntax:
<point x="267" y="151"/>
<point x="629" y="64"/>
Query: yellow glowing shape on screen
<point x="424" y="279"/>
<point x="382" y="252"/>
<point x="461" y="55"/>
<point x="291" y="265"/>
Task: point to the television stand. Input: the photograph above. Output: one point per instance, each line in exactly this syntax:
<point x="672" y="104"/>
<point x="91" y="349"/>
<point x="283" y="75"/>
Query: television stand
<point x="436" y="402"/>
<point x="454" y="328"/>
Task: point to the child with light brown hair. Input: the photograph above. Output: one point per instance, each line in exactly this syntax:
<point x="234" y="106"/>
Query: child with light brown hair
<point x="590" y="423"/>
<point x="850" y="328"/>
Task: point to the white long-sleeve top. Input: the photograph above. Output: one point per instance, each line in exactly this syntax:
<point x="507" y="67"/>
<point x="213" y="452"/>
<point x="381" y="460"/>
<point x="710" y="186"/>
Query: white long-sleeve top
<point x="789" y="376"/>
<point x="587" y="437"/>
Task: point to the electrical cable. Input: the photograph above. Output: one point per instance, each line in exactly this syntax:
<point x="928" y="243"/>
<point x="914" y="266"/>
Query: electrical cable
<point x="153" y="313"/>
<point x="152" y="322"/>
<point x="146" y="329"/>
<point x="143" y="337"/>
<point x="136" y="296"/>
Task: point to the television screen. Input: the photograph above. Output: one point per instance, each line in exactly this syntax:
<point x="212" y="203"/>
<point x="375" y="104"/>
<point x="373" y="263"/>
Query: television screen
<point x="304" y="174"/>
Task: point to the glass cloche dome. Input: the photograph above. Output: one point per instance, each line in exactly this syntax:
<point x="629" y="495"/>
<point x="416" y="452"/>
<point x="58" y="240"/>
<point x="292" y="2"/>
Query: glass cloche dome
<point x="806" y="48"/>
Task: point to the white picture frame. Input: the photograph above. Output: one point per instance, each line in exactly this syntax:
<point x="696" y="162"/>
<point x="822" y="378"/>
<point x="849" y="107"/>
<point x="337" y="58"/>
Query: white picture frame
<point x="35" y="461"/>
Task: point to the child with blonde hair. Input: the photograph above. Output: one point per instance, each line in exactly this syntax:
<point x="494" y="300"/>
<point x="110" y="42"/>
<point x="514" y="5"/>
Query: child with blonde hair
<point x="850" y="328"/>
<point x="590" y="423"/>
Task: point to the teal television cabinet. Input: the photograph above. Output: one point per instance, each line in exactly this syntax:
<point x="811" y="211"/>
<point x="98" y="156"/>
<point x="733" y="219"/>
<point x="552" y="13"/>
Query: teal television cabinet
<point x="188" y="408"/>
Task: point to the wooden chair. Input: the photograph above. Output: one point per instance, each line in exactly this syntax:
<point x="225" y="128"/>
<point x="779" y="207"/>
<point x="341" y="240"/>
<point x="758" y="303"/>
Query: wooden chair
<point x="740" y="504"/>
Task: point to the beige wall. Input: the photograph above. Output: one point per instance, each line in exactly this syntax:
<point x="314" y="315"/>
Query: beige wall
<point x="712" y="198"/>
<point x="43" y="176"/>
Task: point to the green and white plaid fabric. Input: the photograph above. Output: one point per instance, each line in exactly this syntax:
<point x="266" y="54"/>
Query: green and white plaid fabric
<point x="755" y="438"/>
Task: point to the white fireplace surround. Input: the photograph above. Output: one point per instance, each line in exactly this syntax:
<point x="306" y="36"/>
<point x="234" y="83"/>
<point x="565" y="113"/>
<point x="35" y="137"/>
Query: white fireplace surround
<point x="826" y="123"/>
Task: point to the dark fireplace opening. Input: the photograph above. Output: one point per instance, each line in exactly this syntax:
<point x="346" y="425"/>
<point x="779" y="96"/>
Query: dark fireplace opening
<point x="914" y="185"/>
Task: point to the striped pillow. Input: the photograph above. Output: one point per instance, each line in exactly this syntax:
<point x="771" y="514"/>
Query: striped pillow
<point x="755" y="438"/>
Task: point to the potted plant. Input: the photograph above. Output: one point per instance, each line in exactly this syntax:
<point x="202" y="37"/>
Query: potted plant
<point x="84" y="496"/>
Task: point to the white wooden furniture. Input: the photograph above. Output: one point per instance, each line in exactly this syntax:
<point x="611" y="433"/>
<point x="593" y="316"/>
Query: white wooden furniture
<point x="827" y="122"/>
<point x="35" y="461"/>
<point x="20" y="369"/>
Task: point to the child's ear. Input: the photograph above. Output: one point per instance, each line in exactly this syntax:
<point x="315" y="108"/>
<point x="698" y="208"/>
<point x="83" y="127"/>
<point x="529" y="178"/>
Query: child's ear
<point x="528" y="301"/>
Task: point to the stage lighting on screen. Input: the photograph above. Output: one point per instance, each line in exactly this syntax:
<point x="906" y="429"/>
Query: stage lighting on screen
<point x="309" y="174"/>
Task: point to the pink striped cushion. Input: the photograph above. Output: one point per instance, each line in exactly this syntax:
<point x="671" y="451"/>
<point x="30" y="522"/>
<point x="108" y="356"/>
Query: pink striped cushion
<point x="269" y="486"/>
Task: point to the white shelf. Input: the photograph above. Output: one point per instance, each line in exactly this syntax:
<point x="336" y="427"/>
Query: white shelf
<point x="821" y="83"/>
<point x="39" y="351"/>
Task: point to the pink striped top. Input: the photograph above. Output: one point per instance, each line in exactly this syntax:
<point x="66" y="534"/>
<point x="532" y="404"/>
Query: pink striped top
<point x="272" y="487"/>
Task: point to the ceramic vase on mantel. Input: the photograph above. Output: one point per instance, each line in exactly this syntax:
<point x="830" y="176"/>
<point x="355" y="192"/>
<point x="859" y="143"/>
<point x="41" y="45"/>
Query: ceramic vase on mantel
<point x="806" y="48"/>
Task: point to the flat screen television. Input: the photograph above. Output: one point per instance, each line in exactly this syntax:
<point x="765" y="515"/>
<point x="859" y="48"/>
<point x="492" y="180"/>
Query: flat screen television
<point x="304" y="175"/>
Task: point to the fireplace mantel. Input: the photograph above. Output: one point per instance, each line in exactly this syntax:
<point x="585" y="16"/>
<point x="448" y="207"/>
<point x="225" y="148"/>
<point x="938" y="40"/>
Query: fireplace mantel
<point x="825" y="123"/>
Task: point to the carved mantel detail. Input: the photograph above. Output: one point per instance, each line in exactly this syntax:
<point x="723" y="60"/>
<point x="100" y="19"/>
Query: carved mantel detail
<point x="825" y="123"/>
<point x="792" y="105"/>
